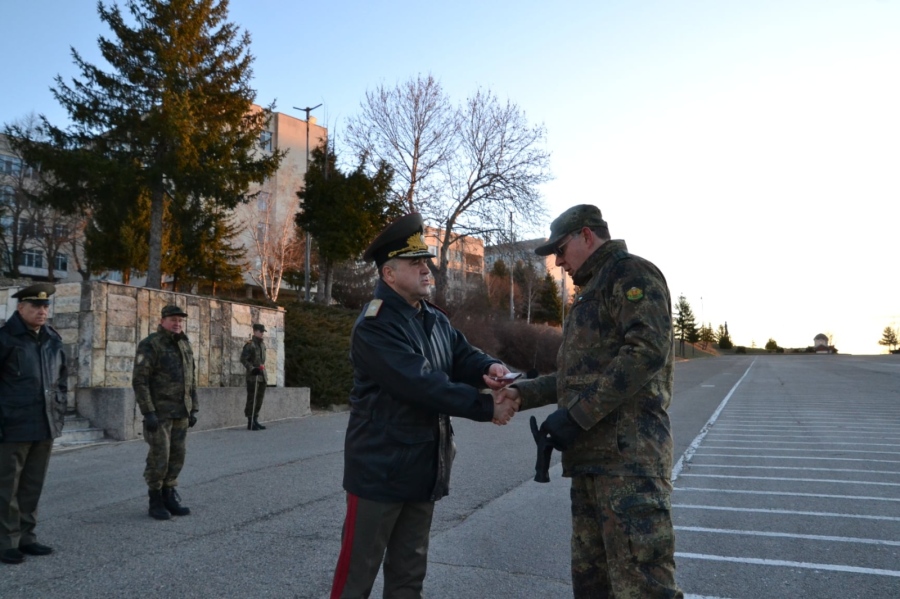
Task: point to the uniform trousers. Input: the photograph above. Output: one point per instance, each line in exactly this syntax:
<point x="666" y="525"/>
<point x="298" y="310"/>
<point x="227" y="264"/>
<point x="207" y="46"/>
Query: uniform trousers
<point x="256" y="387"/>
<point x="165" y="458"/>
<point x="623" y="542"/>
<point x="398" y="533"/>
<point x="23" y="468"/>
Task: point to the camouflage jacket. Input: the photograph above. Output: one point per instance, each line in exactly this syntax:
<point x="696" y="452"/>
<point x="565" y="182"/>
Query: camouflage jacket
<point x="615" y="368"/>
<point x="252" y="356"/>
<point x="163" y="378"/>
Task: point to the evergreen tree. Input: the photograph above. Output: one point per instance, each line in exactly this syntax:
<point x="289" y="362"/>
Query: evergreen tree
<point x="889" y="338"/>
<point x="723" y="338"/>
<point x="548" y="307"/>
<point x="685" y="324"/>
<point x="343" y="212"/>
<point x="172" y="120"/>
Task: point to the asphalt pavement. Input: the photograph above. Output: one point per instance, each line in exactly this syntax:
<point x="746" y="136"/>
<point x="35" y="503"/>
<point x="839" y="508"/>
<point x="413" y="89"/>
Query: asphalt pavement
<point x="786" y="486"/>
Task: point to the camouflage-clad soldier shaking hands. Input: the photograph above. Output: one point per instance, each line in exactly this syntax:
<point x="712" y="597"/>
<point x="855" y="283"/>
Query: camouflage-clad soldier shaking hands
<point x="165" y="389"/>
<point x="253" y="357"/>
<point x="612" y="388"/>
<point x="32" y="405"/>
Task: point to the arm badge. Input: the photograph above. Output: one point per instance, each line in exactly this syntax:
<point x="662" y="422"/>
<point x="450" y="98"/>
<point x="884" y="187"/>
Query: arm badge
<point x="635" y="294"/>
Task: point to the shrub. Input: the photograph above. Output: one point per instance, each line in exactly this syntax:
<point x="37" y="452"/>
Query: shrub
<point x="527" y="347"/>
<point x="740" y="349"/>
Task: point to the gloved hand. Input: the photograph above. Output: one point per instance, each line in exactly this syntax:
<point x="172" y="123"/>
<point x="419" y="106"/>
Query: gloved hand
<point x="256" y="371"/>
<point x="561" y="429"/>
<point x="151" y="422"/>
<point x="192" y="420"/>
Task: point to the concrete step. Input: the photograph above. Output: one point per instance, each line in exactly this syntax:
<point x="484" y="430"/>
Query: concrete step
<point x="77" y="431"/>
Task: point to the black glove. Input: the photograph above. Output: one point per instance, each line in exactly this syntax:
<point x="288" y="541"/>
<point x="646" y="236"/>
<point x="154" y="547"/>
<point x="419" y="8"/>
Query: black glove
<point x="256" y="372"/>
<point x="561" y="429"/>
<point x="192" y="420"/>
<point x="151" y="422"/>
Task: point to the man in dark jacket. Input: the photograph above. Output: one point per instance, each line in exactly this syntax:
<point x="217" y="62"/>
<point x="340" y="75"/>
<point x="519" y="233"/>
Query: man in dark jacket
<point x="165" y="389"/>
<point x="412" y="371"/>
<point x="33" y="390"/>
<point x="253" y="358"/>
<point x="612" y="388"/>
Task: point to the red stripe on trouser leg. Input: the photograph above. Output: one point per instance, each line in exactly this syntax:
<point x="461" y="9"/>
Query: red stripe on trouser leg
<point x="343" y="566"/>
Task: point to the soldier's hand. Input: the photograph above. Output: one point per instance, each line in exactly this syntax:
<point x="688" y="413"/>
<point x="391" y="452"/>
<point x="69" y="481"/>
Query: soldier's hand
<point x="561" y="429"/>
<point x="151" y="422"/>
<point x="256" y="372"/>
<point x="192" y="420"/>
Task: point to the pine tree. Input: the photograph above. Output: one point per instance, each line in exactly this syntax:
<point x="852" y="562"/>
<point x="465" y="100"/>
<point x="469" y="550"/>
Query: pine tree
<point x="685" y="324"/>
<point x="549" y="303"/>
<point x="889" y="338"/>
<point x="172" y="120"/>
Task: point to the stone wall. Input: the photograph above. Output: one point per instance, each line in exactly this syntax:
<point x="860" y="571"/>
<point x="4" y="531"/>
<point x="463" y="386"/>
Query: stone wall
<point x="101" y="324"/>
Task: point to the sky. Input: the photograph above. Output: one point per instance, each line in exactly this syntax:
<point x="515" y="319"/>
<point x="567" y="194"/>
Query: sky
<point x="749" y="149"/>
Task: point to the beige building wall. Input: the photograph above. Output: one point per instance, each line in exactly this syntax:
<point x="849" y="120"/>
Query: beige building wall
<point x="465" y="265"/>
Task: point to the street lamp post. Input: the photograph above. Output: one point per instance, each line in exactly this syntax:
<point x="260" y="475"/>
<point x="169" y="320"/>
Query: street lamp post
<point x="307" y="110"/>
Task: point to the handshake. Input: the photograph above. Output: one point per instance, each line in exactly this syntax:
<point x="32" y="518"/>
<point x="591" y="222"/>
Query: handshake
<point x="506" y="400"/>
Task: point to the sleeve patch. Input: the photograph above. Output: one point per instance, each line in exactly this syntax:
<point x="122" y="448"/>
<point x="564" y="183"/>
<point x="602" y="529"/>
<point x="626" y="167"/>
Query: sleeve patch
<point x="374" y="308"/>
<point x="140" y="359"/>
<point x="635" y="294"/>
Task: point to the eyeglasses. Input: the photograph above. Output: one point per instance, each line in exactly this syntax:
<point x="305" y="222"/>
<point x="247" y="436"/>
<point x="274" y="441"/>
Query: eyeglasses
<point x="560" y="250"/>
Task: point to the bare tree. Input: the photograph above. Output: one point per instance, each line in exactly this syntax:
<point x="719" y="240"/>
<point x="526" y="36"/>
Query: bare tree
<point x="411" y="128"/>
<point x="19" y="184"/>
<point x="275" y="246"/>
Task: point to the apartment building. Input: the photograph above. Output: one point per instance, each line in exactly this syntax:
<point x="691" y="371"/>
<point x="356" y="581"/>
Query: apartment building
<point x="523" y="251"/>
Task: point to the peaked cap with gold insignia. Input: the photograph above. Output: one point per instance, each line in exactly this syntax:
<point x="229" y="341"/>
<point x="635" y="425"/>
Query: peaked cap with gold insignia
<point x="38" y="294"/>
<point x="403" y="238"/>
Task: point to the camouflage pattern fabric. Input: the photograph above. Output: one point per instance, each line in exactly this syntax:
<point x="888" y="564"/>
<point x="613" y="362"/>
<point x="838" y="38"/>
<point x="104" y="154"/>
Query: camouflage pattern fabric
<point x="615" y="368"/>
<point x="623" y="545"/>
<point x="163" y="377"/>
<point x="168" y="447"/>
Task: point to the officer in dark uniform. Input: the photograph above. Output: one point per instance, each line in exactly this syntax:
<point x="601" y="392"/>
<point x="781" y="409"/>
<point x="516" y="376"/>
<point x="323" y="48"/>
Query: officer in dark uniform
<point x="33" y="391"/>
<point x="253" y="358"/>
<point x="411" y="371"/>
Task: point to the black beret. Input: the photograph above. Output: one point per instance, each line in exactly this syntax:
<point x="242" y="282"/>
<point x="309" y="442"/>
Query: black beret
<point x="403" y="238"/>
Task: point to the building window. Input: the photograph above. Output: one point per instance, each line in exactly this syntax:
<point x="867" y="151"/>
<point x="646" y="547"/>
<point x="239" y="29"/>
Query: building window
<point x="7" y="195"/>
<point x="13" y="166"/>
<point x="261" y="229"/>
<point x="265" y="141"/>
<point x="32" y="258"/>
<point x="433" y="249"/>
<point x="61" y="262"/>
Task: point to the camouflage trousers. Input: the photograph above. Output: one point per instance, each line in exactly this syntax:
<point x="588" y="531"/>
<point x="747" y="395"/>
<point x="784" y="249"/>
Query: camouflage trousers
<point x="168" y="446"/>
<point x="623" y="543"/>
<point x="256" y="385"/>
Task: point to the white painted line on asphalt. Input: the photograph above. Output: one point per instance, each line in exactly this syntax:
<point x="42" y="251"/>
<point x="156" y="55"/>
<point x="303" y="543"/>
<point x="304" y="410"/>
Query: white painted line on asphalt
<point x="689" y="596"/>
<point x="686" y="456"/>
<point x="720" y="435"/>
<point x="788" y="494"/>
<point x="787" y="564"/>
<point x="800" y="480"/>
<point x="804" y="468"/>
<point x="798" y="449"/>
<point x="787" y="535"/>
<point x="824" y="428"/>
<point x="829" y="443"/>
<point x="790" y="457"/>
<point x="707" y="385"/>
<point x="720" y="508"/>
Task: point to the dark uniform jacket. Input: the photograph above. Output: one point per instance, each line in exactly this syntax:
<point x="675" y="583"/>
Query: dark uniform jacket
<point x="33" y="382"/>
<point x="252" y="356"/>
<point x="163" y="377"/>
<point x="411" y="371"/>
<point x="615" y="368"/>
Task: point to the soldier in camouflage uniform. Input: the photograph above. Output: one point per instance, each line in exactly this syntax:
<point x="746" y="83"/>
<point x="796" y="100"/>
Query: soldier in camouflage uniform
<point x="165" y="389"/>
<point x="253" y="357"/>
<point x="612" y="387"/>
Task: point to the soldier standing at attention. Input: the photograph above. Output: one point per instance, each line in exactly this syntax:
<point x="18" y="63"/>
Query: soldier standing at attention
<point x="165" y="389"/>
<point x="32" y="406"/>
<point x="253" y="357"/>
<point x="613" y="387"/>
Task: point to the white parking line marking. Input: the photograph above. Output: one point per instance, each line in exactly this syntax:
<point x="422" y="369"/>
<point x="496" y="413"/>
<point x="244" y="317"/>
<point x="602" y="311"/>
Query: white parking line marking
<point x="787" y="457"/>
<point x="787" y="564"/>
<point x="802" y="480"/>
<point x="788" y="494"/>
<point x="720" y="508"/>
<point x="828" y="443"/>
<point x="786" y="535"/>
<point x="710" y="445"/>
<point x="686" y="456"/>
<point x="804" y="468"/>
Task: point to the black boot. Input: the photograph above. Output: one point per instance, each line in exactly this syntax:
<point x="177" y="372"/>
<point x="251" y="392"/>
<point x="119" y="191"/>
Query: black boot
<point x="157" y="509"/>
<point x="172" y="502"/>
<point x="257" y="426"/>
<point x="249" y="423"/>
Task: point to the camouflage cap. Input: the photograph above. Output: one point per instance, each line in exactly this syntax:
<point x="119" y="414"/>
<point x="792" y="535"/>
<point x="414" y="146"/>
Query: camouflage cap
<point x="37" y="294"/>
<point x="573" y="219"/>
<point x="403" y="238"/>
<point x="172" y="310"/>
<point x="259" y="327"/>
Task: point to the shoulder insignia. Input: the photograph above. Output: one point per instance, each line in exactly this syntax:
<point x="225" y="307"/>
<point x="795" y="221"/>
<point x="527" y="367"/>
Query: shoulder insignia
<point x="374" y="308"/>
<point x="634" y="294"/>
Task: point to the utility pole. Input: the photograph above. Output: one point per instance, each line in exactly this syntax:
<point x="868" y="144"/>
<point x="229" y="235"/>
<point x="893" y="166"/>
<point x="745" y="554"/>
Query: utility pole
<point x="512" y="241"/>
<point x="307" y="110"/>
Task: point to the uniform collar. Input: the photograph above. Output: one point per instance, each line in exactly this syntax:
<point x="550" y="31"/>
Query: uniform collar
<point x="596" y="260"/>
<point x="17" y="326"/>
<point x="393" y="299"/>
<point x="169" y="334"/>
